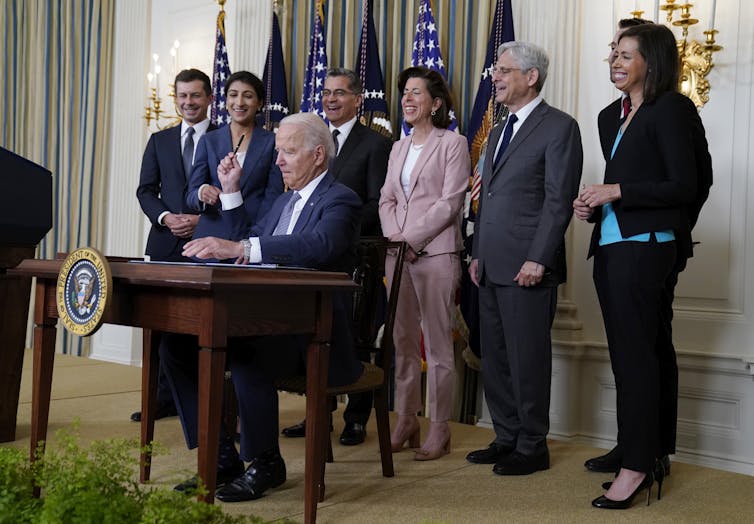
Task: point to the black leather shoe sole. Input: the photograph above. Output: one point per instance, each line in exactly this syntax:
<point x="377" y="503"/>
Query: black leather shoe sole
<point x="162" y="412"/>
<point x="491" y="455"/>
<point x="608" y="463"/>
<point x="253" y="483"/>
<point x="295" y="431"/>
<point x="353" y="435"/>
<point x="518" y="464"/>
<point x="223" y="476"/>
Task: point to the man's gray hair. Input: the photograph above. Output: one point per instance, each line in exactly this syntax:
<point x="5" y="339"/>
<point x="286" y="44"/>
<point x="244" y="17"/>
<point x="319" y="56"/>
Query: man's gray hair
<point x="314" y="133"/>
<point x="528" y="56"/>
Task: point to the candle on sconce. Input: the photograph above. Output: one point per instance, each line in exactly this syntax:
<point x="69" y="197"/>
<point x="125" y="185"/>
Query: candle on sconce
<point x="712" y="18"/>
<point x="175" y="65"/>
<point x="176" y="45"/>
<point x="657" y="11"/>
<point x="150" y="77"/>
<point x="157" y="70"/>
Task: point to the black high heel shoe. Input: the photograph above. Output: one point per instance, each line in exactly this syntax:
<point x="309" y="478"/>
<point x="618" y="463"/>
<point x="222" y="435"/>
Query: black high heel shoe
<point x="603" y="502"/>
<point x="661" y="470"/>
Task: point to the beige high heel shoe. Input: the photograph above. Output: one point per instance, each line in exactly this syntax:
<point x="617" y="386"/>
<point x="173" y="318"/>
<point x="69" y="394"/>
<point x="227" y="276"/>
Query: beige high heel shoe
<point x="412" y="435"/>
<point x="437" y="452"/>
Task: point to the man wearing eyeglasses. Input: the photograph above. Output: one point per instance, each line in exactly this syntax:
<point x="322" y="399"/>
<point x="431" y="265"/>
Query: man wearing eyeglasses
<point x="361" y="164"/>
<point x="529" y="180"/>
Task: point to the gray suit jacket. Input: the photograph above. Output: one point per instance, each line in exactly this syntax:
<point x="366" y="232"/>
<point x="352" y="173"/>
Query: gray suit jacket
<point x="525" y="203"/>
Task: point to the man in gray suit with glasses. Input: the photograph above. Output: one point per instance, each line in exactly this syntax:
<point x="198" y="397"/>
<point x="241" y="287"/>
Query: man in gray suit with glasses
<point x="529" y="180"/>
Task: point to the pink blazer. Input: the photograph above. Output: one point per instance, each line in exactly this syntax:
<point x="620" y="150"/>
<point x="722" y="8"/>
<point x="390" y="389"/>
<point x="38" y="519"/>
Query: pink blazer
<point x="429" y="218"/>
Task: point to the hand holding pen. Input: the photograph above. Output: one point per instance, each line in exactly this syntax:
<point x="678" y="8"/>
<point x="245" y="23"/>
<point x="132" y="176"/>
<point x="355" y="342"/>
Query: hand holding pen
<point x="229" y="171"/>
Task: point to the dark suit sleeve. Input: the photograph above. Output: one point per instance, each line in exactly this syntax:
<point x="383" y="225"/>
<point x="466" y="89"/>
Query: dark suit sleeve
<point x="672" y="136"/>
<point x="199" y="175"/>
<point x="331" y="234"/>
<point x="376" y="171"/>
<point x="563" y="162"/>
<point x="703" y="165"/>
<point x="148" y="191"/>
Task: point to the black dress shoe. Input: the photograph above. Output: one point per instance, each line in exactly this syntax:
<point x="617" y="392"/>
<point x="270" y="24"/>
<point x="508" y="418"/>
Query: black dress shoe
<point x="519" y="464"/>
<point x="353" y="434"/>
<point x="603" y="502"/>
<point x="296" y="430"/>
<point x="489" y="455"/>
<point x="164" y="411"/>
<point x="262" y="474"/>
<point x="223" y="475"/>
<point x="608" y="463"/>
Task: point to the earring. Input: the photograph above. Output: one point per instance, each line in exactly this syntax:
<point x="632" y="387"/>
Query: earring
<point x="433" y="113"/>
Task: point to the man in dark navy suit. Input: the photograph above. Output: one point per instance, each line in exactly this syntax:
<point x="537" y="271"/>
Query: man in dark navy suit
<point x="165" y="170"/>
<point x="361" y="164"/>
<point x="315" y="224"/>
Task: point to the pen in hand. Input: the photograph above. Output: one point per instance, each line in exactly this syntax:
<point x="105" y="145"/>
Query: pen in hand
<point x="240" y="140"/>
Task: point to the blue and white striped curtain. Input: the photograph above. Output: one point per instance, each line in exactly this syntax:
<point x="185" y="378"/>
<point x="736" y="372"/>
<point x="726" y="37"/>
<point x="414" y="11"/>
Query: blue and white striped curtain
<point x="463" y="27"/>
<point x="55" y="71"/>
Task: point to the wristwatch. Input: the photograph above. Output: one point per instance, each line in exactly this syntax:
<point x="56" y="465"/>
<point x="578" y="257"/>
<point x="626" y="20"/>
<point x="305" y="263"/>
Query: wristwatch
<point x="246" y="243"/>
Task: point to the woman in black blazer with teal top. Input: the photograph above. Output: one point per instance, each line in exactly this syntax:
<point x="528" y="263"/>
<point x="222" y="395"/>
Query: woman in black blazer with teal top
<point x="650" y="180"/>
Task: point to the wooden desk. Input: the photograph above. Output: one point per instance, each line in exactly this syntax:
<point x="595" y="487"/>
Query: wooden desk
<point x="214" y="303"/>
<point x="14" y="303"/>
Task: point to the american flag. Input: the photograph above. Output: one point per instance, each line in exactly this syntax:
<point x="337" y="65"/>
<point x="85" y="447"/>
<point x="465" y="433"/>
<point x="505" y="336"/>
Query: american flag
<point x="426" y="52"/>
<point x="374" y="109"/>
<point x="274" y="79"/>
<point x="483" y="114"/>
<point x="220" y="73"/>
<point x="316" y="65"/>
<point x="482" y="119"/>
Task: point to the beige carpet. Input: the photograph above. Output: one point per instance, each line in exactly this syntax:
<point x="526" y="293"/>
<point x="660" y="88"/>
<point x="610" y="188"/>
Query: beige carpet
<point x="103" y="395"/>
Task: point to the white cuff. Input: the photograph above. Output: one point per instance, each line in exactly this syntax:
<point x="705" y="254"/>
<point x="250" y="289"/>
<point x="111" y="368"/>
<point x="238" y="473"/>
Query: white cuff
<point x="231" y="200"/>
<point x="256" y="251"/>
<point x="162" y="216"/>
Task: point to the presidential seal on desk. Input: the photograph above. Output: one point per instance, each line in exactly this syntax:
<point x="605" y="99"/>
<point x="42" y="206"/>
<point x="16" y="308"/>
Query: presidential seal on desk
<point x="83" y="291"/>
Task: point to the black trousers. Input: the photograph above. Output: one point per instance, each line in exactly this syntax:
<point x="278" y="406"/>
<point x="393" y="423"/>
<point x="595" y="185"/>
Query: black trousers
<point x="630" y="278"/>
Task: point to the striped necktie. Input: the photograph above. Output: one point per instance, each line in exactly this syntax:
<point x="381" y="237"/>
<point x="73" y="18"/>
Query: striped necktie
<point x="285" y="217"/>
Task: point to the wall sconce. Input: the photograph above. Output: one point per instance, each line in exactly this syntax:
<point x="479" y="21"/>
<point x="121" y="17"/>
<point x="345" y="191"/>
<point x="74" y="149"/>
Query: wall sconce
<point x="696" y="57"/>
<point x="153" y="110"/>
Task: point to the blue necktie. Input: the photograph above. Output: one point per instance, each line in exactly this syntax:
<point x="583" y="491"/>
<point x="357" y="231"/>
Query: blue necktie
<point x="285" y="217"/>
<point x="507" y="134"/>
<point x="188" y="152"/>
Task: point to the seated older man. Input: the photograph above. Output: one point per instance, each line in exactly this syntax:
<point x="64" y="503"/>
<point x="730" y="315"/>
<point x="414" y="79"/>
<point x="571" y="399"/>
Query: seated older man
<point x="315" y="224"/>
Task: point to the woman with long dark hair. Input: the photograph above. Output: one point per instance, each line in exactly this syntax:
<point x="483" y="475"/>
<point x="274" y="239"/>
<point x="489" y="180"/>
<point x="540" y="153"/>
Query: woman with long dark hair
<point x="639" y="210"/>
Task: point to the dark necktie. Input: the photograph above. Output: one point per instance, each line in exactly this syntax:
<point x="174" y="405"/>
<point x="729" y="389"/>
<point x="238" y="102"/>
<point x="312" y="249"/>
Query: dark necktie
<point x="285" y="217"/>
<point x="188" y="151"/>
<point x="625" y="108"/>
<point x="335" y="134"/>
<point x="507" y="134"/>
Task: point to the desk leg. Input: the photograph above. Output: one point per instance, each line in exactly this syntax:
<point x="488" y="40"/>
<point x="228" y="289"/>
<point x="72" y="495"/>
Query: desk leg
<point x="44" y="357"/>
<point x="211" y="376"/>
<point x="317" y="357"/>
<point x="150" y="362"/>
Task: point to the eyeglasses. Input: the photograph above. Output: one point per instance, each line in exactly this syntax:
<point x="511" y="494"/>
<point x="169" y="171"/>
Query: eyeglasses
<point x="338" y="93"/>
<point x="505" y="70"/>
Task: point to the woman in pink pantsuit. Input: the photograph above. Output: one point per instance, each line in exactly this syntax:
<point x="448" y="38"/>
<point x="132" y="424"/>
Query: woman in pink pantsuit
<point x="420" y="203"/>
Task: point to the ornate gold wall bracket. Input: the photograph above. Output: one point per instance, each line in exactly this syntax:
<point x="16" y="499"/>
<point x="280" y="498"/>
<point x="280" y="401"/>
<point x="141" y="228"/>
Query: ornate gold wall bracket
<point x="696" y="57"/>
